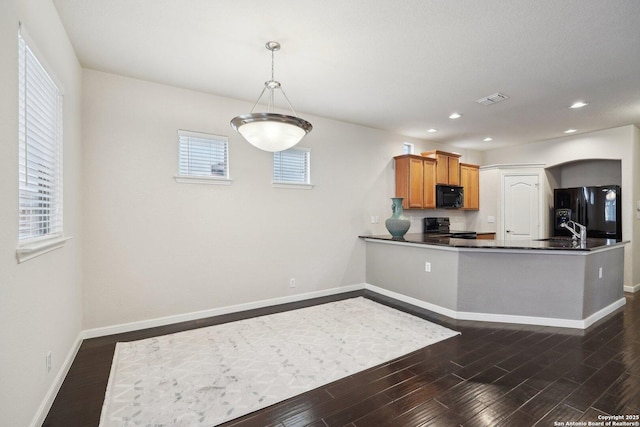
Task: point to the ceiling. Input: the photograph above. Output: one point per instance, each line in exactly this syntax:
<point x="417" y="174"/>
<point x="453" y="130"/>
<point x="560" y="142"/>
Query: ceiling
<point x="402" y="66"/>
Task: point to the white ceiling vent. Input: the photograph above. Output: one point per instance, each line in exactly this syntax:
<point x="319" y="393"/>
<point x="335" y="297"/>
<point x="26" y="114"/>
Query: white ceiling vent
<point x="492" y="99"/>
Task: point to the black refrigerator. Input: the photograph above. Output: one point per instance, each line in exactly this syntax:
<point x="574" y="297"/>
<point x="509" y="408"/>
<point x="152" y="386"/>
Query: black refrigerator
<point x="598" y="208"/>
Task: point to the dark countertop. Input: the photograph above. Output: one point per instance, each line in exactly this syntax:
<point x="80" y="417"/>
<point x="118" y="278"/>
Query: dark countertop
<point x="554" y="243"/>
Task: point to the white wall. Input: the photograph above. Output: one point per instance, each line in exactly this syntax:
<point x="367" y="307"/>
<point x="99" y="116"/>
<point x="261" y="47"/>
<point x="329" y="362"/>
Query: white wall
<point x="587" y="173"/>
<point x="156" y="248"/>
<point x="40" y="300"/>
<point x="621" y="144"/>
<point x="489" y="202"/>
<point x="635" y="237"/>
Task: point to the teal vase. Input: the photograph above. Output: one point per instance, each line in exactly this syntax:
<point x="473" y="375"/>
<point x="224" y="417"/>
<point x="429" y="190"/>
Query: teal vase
<point x="397" y="224"/>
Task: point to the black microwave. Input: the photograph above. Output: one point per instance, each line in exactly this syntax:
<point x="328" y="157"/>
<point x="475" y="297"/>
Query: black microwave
<point x="449" y="196"/>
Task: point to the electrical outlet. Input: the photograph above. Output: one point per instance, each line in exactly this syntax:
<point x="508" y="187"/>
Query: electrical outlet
<point x="48" y="361"/>
<point x="427" y="267"/>
<point x="375" y="219"/>
<point x="292" y="282"/>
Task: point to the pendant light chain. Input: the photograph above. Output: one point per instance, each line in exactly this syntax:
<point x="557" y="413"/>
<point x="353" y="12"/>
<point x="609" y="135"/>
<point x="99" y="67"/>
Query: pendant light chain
<point x="269" y="131"/>
<point x="273" y="61"/>
<point x="278" y="83"/>
<point x="271" y="104"/>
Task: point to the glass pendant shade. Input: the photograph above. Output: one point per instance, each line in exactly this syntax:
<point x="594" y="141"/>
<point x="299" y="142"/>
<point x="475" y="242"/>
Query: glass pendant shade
<point x="271" y="131"/>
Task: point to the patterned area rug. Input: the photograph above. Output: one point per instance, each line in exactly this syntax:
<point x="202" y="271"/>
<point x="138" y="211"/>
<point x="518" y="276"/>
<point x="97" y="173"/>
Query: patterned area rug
<point x="204" y="377"/>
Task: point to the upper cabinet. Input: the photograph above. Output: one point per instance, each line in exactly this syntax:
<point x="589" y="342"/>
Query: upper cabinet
<point x="417" y="176"/>
<point x="415" y="181"/>
<point x="447" y="166"/>
<point x="470" y="181"/>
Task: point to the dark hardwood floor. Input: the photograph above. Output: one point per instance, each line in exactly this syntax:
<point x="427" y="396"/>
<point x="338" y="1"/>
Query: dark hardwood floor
<point x="491" y="375"/>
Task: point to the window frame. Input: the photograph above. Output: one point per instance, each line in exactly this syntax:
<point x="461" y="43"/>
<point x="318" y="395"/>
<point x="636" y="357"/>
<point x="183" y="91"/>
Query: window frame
<point x="32" y="68"/>
<point x="408" y="148"/>
<point x="203" y="178"/>
<point x="294" y="184"/>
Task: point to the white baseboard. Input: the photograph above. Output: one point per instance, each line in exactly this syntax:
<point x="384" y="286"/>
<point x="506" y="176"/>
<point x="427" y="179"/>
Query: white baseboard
<point x="45" y="406"/>
<point x="168" y="320"/>
<point x="633" y="289"/>
<point x="502" y="318"/>
<point x="604" y="312"/>
<point x="47" y="402"/>
<point x="460" y="315"/>
<point x="413" y="301"/>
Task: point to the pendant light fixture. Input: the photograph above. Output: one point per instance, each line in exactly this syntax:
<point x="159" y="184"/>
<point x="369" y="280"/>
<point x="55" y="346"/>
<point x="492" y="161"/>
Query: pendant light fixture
<point x="271" y="131"/>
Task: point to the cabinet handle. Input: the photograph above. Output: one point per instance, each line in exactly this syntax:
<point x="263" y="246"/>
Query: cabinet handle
<point x="508" y="231"/>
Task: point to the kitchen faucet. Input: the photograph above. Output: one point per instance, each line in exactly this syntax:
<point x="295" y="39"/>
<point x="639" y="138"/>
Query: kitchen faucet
<point x="572" y="225"/>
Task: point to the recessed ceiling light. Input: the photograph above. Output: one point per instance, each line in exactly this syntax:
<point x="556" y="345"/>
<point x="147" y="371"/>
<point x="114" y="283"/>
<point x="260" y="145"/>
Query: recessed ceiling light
<point x="570" y="130"/>
<point x="455" y="116"/>
<point x="432" y="130"/>
<point x="487" y="139"/>
<point x="579" y="104"/>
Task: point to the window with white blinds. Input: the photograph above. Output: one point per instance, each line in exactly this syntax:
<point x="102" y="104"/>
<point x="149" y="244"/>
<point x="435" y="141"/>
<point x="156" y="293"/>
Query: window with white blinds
<point x="203" y="155"/>
<point x="292" y="166"/>
<point x="40" y="147"/>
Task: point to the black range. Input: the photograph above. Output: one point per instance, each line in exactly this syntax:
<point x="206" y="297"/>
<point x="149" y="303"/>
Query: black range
<point x="440" y="226"/>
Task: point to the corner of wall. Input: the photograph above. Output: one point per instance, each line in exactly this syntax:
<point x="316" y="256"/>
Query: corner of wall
<point x="635" y="181"/>
<point x="41" y="299"/>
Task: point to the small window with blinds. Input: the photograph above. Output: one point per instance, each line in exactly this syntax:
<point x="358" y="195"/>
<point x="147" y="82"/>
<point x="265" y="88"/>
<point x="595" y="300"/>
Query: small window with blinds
<point x="40" y="150"/>
<point x="202" y="157"/>
<point x="292" y="167"/>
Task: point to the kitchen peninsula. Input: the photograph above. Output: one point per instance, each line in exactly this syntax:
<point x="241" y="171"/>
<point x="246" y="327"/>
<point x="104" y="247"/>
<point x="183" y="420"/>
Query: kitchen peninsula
<point x="551" y="282"/>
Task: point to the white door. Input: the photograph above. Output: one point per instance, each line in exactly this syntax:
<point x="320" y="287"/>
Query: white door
<point x="521" y="207"/>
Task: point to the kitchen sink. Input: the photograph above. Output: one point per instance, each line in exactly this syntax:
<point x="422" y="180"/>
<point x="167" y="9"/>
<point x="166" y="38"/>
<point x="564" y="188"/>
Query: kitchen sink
<point x="556" y="239"/>
<point x="563" y="242"/>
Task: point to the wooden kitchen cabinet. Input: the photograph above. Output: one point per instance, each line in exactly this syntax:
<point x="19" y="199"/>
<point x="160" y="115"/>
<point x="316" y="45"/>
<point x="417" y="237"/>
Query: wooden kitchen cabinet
<point x="470" y="181"/>
<point x="486" y="236"/>
<point x="447" y="166"/>
<point x="416" y="181"/>
<point x="429" y="183"/>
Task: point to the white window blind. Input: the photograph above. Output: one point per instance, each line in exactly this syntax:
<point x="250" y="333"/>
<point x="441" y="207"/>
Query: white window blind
<point x="292" y="166"/>
<point x="203" y="155"/>
<point x="40" y="149"/>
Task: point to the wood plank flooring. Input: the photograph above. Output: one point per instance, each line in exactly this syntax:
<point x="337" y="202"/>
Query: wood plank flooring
<point x="491" y="375"/>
